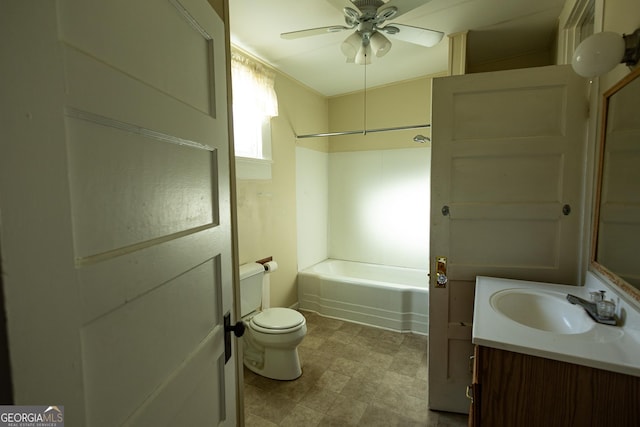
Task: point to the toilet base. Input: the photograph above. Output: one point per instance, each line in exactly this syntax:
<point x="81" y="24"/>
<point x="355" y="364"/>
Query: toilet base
<point x="279" y="364"/>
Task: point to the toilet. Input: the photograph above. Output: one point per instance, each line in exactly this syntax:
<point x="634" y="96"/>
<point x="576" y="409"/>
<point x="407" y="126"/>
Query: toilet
<point x="272" y="335"/>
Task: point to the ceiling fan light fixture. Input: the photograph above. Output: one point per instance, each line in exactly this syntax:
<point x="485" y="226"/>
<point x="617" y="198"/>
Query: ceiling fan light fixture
<point x="380" y="45"/>
<point x="351" y="45"/>
<point x="363" y="57"/>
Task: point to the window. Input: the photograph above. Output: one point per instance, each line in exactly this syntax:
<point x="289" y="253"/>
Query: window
<point x="585" y="26"/>
<point x="576" y="25"/>
<point x="254" y="104"/>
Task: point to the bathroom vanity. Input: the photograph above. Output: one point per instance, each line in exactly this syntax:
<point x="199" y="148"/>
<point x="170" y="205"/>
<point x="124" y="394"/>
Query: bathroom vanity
<point x="541" y="361"/>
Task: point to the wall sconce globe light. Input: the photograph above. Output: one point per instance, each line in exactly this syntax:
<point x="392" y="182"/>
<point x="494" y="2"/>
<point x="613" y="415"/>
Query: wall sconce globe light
<point x="601" y="52"/>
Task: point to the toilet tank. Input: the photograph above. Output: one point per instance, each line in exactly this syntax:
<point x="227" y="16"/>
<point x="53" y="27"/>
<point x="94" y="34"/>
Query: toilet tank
<point x="250" y="287"/>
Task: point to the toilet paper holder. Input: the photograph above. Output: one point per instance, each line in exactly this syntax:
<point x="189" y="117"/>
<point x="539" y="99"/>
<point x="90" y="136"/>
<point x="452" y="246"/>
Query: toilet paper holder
<point x="268" y="263"/>
<point x="270" y="266"/>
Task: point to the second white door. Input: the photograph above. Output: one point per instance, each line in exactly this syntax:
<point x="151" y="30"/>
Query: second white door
<point x="508" y="160"/>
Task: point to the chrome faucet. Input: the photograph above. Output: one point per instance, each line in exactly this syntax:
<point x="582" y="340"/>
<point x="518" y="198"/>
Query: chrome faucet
<point x="591" y="309"/>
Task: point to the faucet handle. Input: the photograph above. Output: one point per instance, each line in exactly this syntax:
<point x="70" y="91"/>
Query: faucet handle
<point x="597" y="296"/>
<point x="606" y="309"/>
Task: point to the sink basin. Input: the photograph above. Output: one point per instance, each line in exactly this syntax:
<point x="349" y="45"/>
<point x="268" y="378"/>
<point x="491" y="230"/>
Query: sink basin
<point x="542" y="310"/>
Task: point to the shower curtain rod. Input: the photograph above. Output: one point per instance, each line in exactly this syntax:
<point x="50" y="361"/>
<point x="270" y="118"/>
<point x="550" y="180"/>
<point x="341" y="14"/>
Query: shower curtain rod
<point x="363" y="132"/>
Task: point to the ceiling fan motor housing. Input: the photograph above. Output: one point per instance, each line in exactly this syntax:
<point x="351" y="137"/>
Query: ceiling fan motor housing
<point x="369" y="10"/>
<point x="375" y="4"/>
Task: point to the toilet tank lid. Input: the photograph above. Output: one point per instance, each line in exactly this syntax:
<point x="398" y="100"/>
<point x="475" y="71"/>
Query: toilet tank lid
<point x="250" y="269"/>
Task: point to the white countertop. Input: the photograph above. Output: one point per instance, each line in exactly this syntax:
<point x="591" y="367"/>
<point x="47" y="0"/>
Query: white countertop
<point x="612" y="348"/>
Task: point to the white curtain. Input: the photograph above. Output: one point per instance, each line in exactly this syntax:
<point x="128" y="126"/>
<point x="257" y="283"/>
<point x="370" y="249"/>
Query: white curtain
<point x="254" y="103"/>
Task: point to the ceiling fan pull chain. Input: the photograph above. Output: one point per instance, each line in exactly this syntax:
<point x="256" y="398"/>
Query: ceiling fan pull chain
<point x="364" y="109"/>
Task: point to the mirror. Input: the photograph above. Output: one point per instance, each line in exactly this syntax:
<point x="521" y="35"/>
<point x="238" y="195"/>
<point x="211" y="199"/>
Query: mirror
<point x="616" y="242"/>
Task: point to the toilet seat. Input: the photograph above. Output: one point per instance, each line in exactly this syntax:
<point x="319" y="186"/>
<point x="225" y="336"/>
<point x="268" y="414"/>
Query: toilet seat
<point x="277" y="320"/>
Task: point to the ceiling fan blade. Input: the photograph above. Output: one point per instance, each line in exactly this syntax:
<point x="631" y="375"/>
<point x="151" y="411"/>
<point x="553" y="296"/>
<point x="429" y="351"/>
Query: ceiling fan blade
<point x="313" y="32"/>
<point x="415" y="35"/>
<point x="403" y="6"/>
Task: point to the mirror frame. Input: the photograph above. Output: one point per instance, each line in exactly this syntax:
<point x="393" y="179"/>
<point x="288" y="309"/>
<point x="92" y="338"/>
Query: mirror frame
<point x="622" y="285"/>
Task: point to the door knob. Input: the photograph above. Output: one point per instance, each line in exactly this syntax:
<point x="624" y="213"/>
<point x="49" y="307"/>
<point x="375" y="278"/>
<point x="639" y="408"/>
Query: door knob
<point x="441" y="272"/>
<point x="442" y="279"/>
<point x="238" y="331"/>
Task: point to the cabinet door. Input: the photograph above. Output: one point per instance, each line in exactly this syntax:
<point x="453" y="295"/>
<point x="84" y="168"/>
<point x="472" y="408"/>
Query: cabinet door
<point x="528" y="391"/>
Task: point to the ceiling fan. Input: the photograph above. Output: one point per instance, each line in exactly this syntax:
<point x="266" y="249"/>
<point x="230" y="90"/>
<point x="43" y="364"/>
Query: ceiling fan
<point x="367" y="18"/>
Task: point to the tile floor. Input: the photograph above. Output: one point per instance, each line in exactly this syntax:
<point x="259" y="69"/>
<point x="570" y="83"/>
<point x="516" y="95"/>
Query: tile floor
<point x="353" y="375"/>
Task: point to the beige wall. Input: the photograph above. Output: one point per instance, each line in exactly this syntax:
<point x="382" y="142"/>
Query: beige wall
<point x="407" y="103"/>
<point x="267" y="209"/>
<point x="531" y="59"/>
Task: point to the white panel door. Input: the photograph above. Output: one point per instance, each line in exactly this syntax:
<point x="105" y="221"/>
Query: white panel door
<point x="115" y="204"/>
<point x="506" y="195"/>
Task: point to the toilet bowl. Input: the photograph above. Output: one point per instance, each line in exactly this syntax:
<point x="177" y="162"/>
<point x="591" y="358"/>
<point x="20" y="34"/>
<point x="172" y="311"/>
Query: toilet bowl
<point x="272" y="335"/>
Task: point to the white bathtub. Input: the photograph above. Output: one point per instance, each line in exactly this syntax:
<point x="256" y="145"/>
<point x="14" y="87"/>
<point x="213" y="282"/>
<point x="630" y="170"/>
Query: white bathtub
<point x="388" y="297"/>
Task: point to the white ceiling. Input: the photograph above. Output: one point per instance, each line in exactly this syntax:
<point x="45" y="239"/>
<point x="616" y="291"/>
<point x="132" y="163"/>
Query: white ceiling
<point x="498" y="29"/>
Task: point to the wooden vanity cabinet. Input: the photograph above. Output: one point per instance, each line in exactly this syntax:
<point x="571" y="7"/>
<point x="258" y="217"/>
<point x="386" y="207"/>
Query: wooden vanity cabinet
<point x="513" y="389"/>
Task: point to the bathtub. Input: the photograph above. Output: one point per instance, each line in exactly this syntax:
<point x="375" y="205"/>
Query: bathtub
<point x="387" y="297"/>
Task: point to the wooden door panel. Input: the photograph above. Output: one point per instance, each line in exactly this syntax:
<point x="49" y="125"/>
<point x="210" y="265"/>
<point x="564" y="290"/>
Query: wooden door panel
<point x="167" y="41"/>
<point x="509" y="185"/>
<point x="508" y="154"/>
<point x="512" y="111"/>
<point x="449" y="352"/>
<point x="125" y="99"/>
<point x="506" y="237"/>
<point x="143" y="343"/>
<point x="521" y="180"/>
<point x="139" y="204"/>
<point x="114" y="281"/>
<point x="120" y="143"/>
<point x="187" y="394"/>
